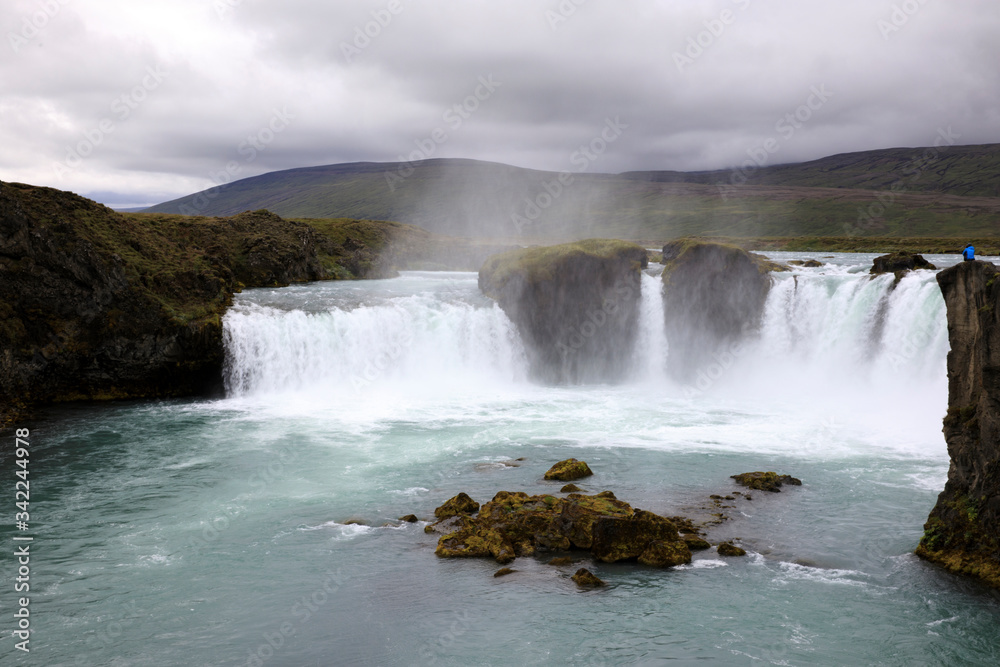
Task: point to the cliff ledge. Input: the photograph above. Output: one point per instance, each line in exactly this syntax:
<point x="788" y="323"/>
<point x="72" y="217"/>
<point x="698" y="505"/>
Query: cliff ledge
<point x="963" y="530"/>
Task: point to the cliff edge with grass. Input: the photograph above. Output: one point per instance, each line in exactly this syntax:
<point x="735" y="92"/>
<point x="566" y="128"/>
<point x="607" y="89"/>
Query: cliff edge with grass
<point x="963" y="530"/>
<point x="96" y="304"/>
<point x="576" y="306"/>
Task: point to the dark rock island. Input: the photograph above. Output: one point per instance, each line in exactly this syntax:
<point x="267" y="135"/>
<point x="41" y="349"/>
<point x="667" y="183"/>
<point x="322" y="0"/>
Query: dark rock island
<point x="516" y="524"/>
<point x="713" y="296"/>
<point x="899" y="263"/>
<point x="963" y="530"/>
<point x="576" y="306"/>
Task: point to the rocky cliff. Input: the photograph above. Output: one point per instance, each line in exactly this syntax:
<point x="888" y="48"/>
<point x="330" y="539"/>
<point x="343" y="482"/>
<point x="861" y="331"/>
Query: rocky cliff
<point x="576" y="306"/>
<point x="963" y="530"/>
<point x="95" y="304"/>
<point x="713" y="296"/>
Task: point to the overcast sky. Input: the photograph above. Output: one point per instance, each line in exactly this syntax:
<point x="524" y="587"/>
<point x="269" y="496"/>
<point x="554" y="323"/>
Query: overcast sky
<point x="139" y="102"/>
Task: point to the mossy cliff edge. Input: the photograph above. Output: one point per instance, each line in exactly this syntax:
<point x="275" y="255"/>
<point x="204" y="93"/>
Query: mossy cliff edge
<point x="96" y="304"/>
<point x="963" y="530"/>
<point x="713" y="296"/>
<point x="576" y="306"/>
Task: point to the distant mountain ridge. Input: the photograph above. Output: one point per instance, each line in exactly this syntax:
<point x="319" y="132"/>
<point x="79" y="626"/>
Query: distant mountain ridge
<point x="948" y="191"/>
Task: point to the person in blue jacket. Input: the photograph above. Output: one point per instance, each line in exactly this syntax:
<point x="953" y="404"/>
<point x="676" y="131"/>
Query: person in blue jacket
<point x="969" y="253"/>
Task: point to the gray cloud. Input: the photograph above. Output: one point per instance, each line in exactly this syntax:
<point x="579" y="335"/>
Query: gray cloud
<point x="896" y="71"/>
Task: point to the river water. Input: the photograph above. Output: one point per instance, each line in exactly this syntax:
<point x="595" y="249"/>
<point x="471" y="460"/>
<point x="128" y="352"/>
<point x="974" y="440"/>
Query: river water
<point x="219" y="532"/>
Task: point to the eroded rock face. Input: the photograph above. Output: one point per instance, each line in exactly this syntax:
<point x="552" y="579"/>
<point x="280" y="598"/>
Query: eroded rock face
<point x="97" y="305"/>
<point x="576" y="306"/>
<point x="713" y="297"/>
<point x="963" y="530"/>
<point x="899" y="261"/>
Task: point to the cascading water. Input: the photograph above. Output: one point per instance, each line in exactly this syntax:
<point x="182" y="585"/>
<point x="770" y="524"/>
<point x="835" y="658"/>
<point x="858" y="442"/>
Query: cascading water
<point x="443" y="336"/>
<point x="842" y="329"/>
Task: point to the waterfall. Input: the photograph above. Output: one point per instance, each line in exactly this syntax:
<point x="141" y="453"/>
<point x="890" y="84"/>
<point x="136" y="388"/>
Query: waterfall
<point x="825" y="337"/>
<point x="422" y="341"/>
<point x="650" y="356"/>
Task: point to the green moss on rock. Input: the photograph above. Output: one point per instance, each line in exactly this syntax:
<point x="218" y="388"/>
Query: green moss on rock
<point x="460" y="504"/>
<point x="516" y="524"/>
<point x="569" y="470"/>
<point x="730" y="550"/>
<point x="765" y="481"/>
<point x="584" y="578"/>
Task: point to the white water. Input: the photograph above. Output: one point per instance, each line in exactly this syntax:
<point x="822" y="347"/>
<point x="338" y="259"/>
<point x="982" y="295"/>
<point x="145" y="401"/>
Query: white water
<point x="827" y="335"/>
<point x="422" y="342"/>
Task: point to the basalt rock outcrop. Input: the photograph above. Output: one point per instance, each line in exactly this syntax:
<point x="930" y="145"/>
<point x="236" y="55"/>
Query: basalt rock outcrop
<point x="765" y="481"/>
<point x="899" y="263"/>
<point x="963" y="530"/>
<point x="98" y="305"/>
<point x="516" y="524"/>
<point x="576" y="306"/>
<point x="713" y="297"/>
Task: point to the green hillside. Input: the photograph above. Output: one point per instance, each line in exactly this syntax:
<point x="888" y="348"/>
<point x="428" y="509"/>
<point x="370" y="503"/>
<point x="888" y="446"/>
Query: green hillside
<point x="889" y="193"/>
<point x="968" y="171"/>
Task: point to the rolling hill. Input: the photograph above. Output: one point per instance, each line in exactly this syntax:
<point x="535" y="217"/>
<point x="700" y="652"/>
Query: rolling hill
<point x="904" y="192"/>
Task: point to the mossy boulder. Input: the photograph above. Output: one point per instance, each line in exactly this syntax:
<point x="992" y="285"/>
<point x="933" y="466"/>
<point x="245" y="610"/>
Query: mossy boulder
<point x="570" y="488"/>
<point x="584" y="578"/>
<point x="459" y="505"/>
<point x="575" y="305"/>
<point x="516" y="524"/>
<point x="696" y="543"/>
<point x="765" y="481"/>
<point x="568" y="470"/>
<point x="713" y="296"/>
<point x="730" y="550"/>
